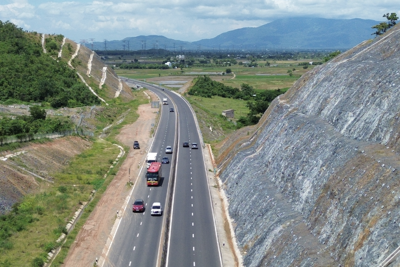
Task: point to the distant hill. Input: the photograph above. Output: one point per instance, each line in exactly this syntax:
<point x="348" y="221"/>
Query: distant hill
<point x="296" y="33"/>
<point x="289" y="33"/>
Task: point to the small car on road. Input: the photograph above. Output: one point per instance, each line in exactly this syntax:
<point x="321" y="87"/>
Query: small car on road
<point x="194" y="146"/>
<point x="136" y="145"/>
<point x="185" y="144"/>
<point x="168" y="150"/>
<point x="156" y="209"/>
<point x="165" y="160"/>
<point x="171" y="110"/>
<point x="138" y="205"/>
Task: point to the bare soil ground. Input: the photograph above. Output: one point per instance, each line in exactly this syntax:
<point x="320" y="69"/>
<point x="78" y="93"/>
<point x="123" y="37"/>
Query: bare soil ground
<point x="93" y="236"/>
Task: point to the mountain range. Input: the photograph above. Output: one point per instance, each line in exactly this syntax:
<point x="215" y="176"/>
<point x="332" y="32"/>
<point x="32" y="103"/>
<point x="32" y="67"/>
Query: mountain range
<point x="287" y="33"/>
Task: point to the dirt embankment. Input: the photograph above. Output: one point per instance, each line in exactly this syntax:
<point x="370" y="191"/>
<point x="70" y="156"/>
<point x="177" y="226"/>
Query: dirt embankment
<point x="16" y="179"/>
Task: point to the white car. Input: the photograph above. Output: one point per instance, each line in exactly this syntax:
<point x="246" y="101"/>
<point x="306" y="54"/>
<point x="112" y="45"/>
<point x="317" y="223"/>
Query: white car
<point x="156" y="209"/>
<point x="168" y="150"/>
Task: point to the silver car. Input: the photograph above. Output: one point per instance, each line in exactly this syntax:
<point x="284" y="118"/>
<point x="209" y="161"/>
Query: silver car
<point x="168" y="150"/>
<point x="156" y="209"/>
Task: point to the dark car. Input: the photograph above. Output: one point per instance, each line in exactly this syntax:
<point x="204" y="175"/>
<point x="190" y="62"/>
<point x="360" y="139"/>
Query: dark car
<point x="194" y="146"/>
<point x="165" y="160"/>
<point x="138" y="205"/>
<point x="136" y="145"/>
<point x="185" y="144"/>
<point x="171" y="110"/>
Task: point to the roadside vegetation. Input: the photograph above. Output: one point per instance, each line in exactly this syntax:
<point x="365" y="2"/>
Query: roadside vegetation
<point x="31" y="229"/>
<point x="256" y="101"/>
<point x="24" y="127"/>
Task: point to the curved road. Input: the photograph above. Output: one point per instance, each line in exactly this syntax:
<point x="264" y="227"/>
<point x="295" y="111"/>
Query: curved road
<point x="192" y="235"/>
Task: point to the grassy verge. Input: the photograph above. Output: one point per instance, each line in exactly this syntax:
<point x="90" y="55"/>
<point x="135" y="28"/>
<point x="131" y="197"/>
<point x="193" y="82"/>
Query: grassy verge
<point x="30" y="231"/>
<point x="213" y="125"/>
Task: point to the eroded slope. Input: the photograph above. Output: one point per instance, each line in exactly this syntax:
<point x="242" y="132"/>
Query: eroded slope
<point x="318" y="184"/>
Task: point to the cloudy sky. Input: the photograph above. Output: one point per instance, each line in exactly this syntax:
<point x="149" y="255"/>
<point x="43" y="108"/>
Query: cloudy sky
<point x="185" y="20"/>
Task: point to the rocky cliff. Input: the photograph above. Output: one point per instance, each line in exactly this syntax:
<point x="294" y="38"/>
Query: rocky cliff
<point x="318" y="184"/>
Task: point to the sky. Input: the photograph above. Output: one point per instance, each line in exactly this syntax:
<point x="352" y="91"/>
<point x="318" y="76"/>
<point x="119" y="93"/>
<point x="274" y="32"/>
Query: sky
<point x="184" y="20"/>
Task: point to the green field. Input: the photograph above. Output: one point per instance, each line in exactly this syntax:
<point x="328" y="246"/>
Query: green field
<point x="215" y="105"/>
<point x="266" y="78"/>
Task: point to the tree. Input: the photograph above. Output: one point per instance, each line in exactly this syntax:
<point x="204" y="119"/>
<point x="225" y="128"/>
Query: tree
<point x="384" y="26"/>
<point x="380" y="28"/>
<point x="37" y="113"/>
<point x="392" y="18"/>
<point x="228" y="71"/>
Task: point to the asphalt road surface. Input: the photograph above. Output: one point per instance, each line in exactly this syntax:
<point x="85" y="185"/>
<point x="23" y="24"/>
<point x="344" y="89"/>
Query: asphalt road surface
<point x="192" y="235"/>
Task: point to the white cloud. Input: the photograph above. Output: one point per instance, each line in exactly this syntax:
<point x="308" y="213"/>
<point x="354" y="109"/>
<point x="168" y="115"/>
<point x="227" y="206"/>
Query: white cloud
<point x="20" y="23"/>
<point x="187" y="20"/>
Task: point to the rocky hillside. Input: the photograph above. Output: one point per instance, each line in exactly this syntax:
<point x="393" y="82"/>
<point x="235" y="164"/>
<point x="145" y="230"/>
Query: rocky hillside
<point x="318" y="184"/>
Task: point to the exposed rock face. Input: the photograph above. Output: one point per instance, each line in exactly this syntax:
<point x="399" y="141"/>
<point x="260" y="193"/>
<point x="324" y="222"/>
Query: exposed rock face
<point x="319" y="183"/>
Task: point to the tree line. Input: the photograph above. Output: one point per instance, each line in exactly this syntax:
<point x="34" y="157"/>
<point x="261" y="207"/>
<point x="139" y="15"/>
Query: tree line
<point x="29" y="75"/>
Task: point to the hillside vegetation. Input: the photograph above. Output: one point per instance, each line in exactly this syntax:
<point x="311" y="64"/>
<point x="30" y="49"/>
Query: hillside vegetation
<point x="29" y="75"/>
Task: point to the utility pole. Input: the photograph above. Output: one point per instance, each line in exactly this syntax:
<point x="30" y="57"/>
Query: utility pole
<point x="91" y="42"/>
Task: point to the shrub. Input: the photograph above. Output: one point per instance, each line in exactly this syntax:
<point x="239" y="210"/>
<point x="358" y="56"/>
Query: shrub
<point x="37" y="262"/>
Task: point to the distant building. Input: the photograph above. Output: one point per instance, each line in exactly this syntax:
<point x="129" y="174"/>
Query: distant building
<point x="168" y="64"/>
<point x="229" y="113"/>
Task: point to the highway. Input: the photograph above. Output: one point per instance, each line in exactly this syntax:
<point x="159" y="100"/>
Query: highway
<point x="192" y="236"/>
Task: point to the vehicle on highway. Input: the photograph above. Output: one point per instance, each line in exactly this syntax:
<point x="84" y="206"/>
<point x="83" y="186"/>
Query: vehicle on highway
<point x="185" y="144"/>
<point x="165" y="101"/>
<point x="136" y="145"/>
<point x="165" y="160"/>
<point x="171" y="110"/>
<point x="151" y="157"/>
<point x="138" y="205"/>
<point x="194" y="146"/>
<point x="156" y="209"/>
<point x="168" y="150"/>
<point x="153" y="174"/>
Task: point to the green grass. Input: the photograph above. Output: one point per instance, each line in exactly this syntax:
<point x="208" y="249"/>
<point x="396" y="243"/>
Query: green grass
<point x="215" y="105"/>
<point x="48" y="212"/>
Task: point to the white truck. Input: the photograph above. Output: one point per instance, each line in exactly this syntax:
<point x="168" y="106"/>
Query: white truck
<point x="151" y="157"/>
<point x="165" y="101"/>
